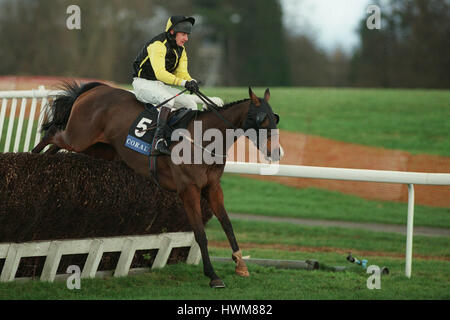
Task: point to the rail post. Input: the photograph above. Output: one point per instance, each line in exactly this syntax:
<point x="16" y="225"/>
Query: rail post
<point x="409" y="230"/>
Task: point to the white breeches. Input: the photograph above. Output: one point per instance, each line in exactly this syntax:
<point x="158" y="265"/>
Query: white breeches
<point x="155" y="92"/>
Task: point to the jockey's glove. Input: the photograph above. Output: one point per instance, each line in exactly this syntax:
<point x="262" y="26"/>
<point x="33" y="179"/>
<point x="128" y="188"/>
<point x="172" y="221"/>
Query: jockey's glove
<point x="192" y="86"/>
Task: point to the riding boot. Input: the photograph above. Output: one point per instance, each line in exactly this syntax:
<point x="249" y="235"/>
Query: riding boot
<point x="161" y="146"/>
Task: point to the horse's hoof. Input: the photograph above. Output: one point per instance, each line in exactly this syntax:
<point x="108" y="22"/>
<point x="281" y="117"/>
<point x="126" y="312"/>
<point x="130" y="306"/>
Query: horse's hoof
<point x="217" y="284"/>
<point x="241" y="268"/>
<point x="243" y="272"/>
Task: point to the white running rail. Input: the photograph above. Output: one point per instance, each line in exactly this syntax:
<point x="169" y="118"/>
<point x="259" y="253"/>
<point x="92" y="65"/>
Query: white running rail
<point x="10" y="142"/>
<point x="409" y="178"/>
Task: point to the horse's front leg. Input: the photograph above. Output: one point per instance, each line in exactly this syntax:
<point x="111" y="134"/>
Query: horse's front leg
<point x="215" y="199"/>
<point x="191" y="202"/>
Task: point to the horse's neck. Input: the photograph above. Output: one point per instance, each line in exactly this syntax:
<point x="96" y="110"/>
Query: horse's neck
<point x="231" y="117"/>
<point x="236" y="114"/>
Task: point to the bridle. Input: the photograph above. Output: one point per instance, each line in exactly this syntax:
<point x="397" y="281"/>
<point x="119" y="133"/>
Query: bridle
<point x="254" y="120"/>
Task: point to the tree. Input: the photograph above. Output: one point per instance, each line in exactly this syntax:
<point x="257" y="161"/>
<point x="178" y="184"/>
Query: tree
<point x="411" y="48"/>
<point x="251" y="33"/>
<point x="36" y="41"/>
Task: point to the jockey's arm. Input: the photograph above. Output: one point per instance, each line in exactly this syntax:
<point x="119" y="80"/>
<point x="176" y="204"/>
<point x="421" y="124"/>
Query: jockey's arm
<point x="182" y="70"/>
<point x="157" y="52"/>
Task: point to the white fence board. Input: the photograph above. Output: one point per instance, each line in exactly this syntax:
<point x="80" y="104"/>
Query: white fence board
<point x="194" y="254"/>
<point x="29" y="132"/>
<point x="9" y="131"/>
<point x="2" y="115"/>
<point x="12" y="262"/>
<point x="20" y="125"/>
<point x="125" y="259"/>
<point x="163" y="253"/>
<point x="94" y="247"/>
<point x="52" y="261"/>
<point x="93" y="260"/>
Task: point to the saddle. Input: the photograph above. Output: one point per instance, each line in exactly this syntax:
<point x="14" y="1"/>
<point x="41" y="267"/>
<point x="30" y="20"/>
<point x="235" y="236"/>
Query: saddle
<point x="142" y="131"/>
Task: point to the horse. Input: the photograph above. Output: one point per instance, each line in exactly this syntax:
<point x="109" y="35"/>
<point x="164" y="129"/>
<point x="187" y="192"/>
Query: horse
<point x="94" y="118"/>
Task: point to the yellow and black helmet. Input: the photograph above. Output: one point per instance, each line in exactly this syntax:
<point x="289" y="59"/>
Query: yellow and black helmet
<point x="180" y="24"/>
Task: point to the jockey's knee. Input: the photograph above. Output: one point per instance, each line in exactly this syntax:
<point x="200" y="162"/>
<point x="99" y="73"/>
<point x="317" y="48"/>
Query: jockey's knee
<point x="169" y="104"/>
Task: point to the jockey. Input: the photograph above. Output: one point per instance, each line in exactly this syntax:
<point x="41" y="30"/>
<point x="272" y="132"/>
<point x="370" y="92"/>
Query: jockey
<point x="163" y="63"/>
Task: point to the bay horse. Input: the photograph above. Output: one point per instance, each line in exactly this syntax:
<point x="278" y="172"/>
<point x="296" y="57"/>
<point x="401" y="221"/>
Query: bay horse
<point x="94" y="118"/>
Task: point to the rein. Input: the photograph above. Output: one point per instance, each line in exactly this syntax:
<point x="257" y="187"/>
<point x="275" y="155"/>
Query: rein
<point x="164" y="102"/>
<point x="213" y="107"/>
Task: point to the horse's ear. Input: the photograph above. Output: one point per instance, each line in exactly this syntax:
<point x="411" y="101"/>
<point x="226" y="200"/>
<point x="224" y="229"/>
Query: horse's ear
<point x="253" y="97"/>
<point x="267" y="95"/>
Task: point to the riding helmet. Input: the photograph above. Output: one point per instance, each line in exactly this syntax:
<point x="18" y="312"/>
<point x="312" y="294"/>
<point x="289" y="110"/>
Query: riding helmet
<point x="180" y="24"/>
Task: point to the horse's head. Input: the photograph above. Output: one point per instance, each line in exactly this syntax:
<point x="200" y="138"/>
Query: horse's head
<point x="262" y="118"/>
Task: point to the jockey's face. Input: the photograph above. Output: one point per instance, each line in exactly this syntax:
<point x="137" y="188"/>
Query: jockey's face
<point x="181" y="38"/>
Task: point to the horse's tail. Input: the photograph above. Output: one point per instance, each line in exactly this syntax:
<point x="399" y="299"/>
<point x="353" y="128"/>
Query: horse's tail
<point x="62" y="105"/>
<point x="60" y="110"/>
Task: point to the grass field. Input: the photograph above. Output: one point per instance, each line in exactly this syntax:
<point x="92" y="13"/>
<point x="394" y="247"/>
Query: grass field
<point x="244" y="195"/>
<point x="411" y="120"/>
<point x="430" y="277"/>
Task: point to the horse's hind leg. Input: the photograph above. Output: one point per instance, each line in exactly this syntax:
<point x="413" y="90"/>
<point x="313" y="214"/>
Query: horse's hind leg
<point x="215" y="200"/>
<point x="52" y="150"/>
<point x="77" y="136"/>
<point x="45" y="140"/>
<point x="63" y="141"/>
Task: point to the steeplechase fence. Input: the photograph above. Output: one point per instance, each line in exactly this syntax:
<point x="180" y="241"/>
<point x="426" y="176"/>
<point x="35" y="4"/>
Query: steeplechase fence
<point x="55" y="249"/>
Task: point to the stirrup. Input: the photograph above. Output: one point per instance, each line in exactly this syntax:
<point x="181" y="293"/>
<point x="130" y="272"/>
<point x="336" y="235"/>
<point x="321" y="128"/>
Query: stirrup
<point x="160" y="148"/>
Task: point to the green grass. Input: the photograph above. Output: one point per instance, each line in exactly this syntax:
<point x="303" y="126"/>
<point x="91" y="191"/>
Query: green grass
<point x="339" y="238"/>
<point x="244" y="195"/>
<point x="430" y="277"/>
<point x="411" y="120"/>
<point x="183" y="282"/>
